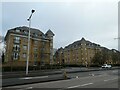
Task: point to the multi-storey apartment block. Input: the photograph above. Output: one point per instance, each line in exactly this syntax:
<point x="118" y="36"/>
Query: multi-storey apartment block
<point x="80" y="53"/>
<point x="41" y="46"/>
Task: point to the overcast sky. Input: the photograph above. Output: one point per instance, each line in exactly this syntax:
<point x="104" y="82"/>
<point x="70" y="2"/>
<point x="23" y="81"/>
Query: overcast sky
<point x="69" y="21"/>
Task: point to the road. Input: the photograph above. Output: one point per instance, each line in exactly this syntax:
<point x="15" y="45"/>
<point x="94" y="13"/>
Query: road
<point x="93" y="79"/>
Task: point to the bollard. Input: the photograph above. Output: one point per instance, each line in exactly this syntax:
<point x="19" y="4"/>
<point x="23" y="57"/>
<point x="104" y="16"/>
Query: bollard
<point x="65" y="74"/>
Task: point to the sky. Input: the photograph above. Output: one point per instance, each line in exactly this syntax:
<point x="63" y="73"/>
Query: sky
<point x="95" y="20"/>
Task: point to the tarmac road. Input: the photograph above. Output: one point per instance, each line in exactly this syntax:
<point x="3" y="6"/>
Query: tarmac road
<point x="93" y="79"/>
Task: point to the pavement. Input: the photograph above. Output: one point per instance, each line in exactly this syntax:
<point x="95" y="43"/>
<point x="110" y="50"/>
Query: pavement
<point x="19" y="78"/>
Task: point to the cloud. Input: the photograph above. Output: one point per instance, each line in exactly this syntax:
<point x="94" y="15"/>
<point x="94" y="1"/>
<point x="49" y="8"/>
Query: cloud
<point x="96" y="21"/>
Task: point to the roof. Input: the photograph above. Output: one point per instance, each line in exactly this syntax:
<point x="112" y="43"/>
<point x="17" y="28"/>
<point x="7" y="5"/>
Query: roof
<point x="24" y="29"/>
<point x="32" y="30"/>
<point x="79" y="42"/>
<point x="49" y="33"/>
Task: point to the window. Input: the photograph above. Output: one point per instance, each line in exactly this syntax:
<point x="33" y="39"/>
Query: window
<point x="16" y="39"/>
<point x="51" y="37"/>
<point x="68" y="51"/>
<point x="35" y="55"/>
<point x="51" y="51"/>
<point x="15" y="56"/>
<point x="51" y="44"/>
<point x="43" y="36"/>
<point x="35" y="59"/>
<point x="26" y="32"/>
<point x="25" y="40"/>
<point x="35" y="49"/>
<point x="42" y="49"/>
<point x="24" y="47"/>
<point x="17" y="30"/>
<point x="16" y="47"/>
<point x="35" y="42"/>
<point x="51" y="56"/>
<point x="43" y="43"/>
<point x="35" y="34"/>
<point x="24" y="55"/>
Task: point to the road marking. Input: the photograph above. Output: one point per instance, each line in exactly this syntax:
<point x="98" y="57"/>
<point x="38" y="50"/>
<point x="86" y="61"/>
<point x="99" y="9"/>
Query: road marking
<point x="80" y="85"/>
<point x="28" y="88"/>
<point x="110" y="79"/>
<point x="34" y="77"/>
<point x="86" y="84"/>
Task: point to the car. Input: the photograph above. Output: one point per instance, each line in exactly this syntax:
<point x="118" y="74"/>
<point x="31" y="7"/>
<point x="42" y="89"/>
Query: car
<point x="106" y="66"/>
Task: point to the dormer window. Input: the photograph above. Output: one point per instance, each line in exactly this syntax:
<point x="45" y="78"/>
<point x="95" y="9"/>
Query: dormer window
<point x="26" y="32"/>
<point x="35" y="34"/>
<point x="17" y="30"/>
<point x="43" y="36"/>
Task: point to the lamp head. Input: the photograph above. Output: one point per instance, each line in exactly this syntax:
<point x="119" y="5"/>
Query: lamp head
<point x="33" y="11"/>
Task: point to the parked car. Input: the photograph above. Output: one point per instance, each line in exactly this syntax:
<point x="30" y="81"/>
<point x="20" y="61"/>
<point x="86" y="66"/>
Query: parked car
<point x="106" y="66"/>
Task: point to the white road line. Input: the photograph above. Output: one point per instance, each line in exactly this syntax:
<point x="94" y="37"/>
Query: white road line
<point x="86" y="84"/>
<point x="34" y="77"/>
<point x="80" y="85"/>
<point x="110" y="79"/>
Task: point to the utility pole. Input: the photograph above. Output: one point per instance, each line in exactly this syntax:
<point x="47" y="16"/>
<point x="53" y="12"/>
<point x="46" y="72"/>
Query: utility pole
<point x="118" y="43"/>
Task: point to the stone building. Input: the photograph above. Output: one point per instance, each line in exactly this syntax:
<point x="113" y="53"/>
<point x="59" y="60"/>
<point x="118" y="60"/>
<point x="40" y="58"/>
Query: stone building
<point x="80" y="52"/>
<point x="41" y="46"/>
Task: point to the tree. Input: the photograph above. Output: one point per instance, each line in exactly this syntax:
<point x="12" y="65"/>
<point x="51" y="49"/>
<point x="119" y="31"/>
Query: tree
<point x="100" y="57"/>
<point x="105" y="56"/>
<point x="97" y="58"/>
<point x="115" y="57"/>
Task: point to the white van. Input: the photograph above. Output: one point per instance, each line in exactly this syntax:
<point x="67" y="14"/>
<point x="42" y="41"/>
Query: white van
<point x="106" y="66"/>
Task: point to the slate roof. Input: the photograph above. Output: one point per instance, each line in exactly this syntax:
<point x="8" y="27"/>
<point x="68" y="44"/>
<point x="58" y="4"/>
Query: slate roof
<point x="34" y="32"/>
<point x="49" y="32"/>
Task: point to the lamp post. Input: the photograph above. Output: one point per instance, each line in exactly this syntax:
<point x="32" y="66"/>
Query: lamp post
<point x="28" y="52"/>
<point x="118" y="43"/>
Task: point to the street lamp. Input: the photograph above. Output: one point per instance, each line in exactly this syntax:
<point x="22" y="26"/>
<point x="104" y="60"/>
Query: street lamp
<point x="27" y="62"/>
<point x="118" y="43"/>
